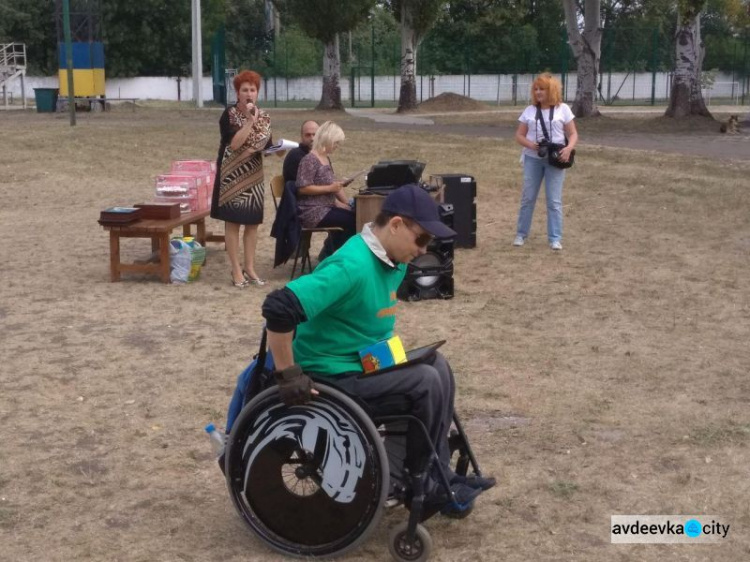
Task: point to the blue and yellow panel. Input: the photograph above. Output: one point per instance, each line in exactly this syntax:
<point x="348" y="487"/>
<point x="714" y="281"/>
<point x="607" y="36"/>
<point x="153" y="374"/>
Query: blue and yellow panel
<point x="382" y="354"/>
<point x="88" y="69"/>
<point x="86" y="83"/>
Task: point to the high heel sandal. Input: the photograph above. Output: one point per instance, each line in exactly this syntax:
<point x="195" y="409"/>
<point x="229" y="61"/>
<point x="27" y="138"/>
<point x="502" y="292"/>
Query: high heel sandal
<point x="240" y="284"/>
<point x="252" y="280"/>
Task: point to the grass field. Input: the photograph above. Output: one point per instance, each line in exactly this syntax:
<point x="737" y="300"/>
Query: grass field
<point x="610" y="378"/>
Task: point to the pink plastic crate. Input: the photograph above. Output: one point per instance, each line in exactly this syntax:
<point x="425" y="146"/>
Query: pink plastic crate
<point x="188" y="203"/>
<point x="178" y="185"/>
<point x="193" y="166"/>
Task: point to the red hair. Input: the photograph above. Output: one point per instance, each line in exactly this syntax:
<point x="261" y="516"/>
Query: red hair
<point x="246" y="76"/>
<point x="553" y="86"/>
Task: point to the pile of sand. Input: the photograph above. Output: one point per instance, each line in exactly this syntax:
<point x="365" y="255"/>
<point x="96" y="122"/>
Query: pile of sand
<point x="449" y="101"/>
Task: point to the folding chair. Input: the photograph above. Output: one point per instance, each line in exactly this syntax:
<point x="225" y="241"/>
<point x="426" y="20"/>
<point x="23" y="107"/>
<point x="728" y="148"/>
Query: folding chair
<point x="277" y="190"/>
<point x="303" y="249"/>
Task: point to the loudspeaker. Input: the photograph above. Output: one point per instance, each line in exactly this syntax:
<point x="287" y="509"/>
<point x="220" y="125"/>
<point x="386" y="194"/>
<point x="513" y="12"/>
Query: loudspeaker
<point x="394" y="173"/>
<point x="431" y="276"/>
<point x="460" y="190"/>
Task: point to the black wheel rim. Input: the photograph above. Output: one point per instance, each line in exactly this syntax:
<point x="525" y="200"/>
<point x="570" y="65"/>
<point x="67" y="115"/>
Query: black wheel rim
<point x="308" y="479"/>
<point x="409" y="552"/>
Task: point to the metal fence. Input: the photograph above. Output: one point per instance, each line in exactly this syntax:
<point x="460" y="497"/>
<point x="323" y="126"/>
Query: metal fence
<point x="635" y="67"/>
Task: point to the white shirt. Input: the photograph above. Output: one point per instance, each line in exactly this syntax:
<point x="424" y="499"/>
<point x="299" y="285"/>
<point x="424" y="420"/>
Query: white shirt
<point x="374" y="244"/>
<point x="556" y="130"/>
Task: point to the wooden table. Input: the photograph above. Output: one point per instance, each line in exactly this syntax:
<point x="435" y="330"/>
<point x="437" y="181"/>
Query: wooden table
<point x="159" y="232"/>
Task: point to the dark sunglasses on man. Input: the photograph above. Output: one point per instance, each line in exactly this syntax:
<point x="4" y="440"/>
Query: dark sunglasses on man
<point x="422" y="239"/>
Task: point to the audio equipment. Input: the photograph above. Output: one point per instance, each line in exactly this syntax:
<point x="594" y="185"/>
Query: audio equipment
<point x="385" y="176"/>
<point x="430" y="276"/>
<point x="460" y="190"/>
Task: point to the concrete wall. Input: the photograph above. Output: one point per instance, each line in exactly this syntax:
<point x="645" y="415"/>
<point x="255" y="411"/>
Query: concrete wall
<point x="490" y="88"/>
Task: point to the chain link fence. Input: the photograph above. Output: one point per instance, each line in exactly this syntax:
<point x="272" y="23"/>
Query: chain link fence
<point x="635" y="69"/>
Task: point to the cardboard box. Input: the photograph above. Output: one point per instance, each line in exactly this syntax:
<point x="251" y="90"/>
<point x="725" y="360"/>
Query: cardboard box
<point x="159" y="211"/>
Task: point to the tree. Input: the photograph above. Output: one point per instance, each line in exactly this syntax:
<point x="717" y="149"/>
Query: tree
<point x="686" y="97"/>
<point x="152" y="37"/>
<point x="324" y="20"/>
<point x="586" y="47"/>
<point x="33" y="24"/>
<point x="248" y="41"/>
<point x="416" y="18"/>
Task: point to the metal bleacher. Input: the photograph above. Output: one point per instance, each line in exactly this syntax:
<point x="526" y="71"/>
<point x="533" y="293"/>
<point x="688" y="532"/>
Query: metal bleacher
<point x="12" y="68"/>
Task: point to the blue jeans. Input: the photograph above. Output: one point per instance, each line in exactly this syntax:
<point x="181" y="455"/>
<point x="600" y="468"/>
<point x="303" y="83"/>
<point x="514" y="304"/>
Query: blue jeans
<point x="534" y="171"/>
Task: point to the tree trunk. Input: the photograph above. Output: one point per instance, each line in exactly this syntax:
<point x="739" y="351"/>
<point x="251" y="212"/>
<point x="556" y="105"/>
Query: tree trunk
<point x="588" y="75"/>
<point x="686" y="97"/>
<point x="407" y="99"/>
<point x="331" y="96"/>
<point x="586" y="49"/>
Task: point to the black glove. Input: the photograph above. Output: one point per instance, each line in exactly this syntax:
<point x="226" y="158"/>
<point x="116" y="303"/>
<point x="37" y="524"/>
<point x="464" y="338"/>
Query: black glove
<point x="294" y="385"/>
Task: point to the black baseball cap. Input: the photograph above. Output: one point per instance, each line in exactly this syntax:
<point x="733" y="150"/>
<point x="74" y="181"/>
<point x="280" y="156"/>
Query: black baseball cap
<point x="415" y="203"/>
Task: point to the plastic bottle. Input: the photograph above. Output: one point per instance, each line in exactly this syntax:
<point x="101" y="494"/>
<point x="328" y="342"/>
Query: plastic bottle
<point x="217" y="439"/>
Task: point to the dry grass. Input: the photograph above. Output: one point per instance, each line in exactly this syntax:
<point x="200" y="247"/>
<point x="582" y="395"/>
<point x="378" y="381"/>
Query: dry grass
<point x="608" y="379"/>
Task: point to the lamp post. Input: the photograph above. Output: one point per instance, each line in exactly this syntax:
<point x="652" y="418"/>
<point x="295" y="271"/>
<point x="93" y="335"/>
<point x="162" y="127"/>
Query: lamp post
<point x="197" y="54"/>
<point x="69" y="61"/>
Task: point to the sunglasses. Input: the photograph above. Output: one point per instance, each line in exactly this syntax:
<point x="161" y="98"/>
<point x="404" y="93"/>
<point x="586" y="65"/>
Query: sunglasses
<point x="422" y="239"/>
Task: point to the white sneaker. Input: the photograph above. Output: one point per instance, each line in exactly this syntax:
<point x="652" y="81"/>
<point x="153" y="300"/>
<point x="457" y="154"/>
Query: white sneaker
<point x="519" y="241"/>
<point x="556" y="245"/>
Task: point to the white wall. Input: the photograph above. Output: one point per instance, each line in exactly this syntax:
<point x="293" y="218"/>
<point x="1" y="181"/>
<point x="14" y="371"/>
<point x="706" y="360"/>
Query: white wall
<point x="491" y="88"/>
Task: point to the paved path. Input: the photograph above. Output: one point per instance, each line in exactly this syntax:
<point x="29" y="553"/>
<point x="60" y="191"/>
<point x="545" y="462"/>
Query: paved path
<point x="725" y="147"/>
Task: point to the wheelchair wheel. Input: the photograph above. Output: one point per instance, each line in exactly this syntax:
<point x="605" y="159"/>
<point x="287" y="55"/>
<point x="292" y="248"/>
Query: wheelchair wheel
<point x="400" y="549"/>
<point x="309" y="480"/>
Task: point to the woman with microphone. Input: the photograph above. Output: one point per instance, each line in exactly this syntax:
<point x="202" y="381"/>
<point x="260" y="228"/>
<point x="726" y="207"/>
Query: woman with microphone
<point x="238" y="194"/>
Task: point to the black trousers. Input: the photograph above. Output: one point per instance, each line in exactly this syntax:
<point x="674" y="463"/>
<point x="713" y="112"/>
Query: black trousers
<point x="429" y="391"/>
<point x="342" y="218"/>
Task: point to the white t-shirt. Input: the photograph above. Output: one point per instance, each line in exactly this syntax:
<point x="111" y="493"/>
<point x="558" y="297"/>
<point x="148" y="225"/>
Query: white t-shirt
<point x="561" y="115"/>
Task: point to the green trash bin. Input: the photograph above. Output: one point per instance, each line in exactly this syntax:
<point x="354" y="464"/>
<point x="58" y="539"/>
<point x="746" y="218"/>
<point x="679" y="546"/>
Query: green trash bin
<point x="46" y="99"/>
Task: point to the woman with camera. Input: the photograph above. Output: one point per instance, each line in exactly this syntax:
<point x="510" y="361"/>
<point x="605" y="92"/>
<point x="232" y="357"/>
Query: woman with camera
<point x="548" y="134"/>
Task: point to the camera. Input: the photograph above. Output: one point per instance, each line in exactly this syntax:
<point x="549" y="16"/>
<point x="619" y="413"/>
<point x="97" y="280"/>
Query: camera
<point x="543" y="148"/>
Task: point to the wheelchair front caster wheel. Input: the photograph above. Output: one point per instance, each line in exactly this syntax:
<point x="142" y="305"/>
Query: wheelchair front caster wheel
<point x="402" y="550"/>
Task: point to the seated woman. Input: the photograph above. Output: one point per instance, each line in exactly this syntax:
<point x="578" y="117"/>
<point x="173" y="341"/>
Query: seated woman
<point x="321" y="200"/>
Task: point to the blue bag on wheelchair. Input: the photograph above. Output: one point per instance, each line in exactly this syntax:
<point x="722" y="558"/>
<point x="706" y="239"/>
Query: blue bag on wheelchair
<point x="251" y="381"/>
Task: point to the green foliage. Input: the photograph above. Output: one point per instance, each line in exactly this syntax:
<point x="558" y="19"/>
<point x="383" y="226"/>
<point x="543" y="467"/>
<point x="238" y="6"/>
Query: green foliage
<point x="248" y="43"/>
<point x="387" y="43"/>
<point x="296" y="54"/>
<point x="323" y="19"/>
<point x="422" y="13"/>
<point x="32" y="23"/>
<point x="152" y="37"/>
<point x="482" y="36"/>
<point x="146" y="38"/>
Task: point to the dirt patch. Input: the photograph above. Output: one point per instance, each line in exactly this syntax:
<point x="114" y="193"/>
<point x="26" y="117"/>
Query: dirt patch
<point x="448" y="101"/>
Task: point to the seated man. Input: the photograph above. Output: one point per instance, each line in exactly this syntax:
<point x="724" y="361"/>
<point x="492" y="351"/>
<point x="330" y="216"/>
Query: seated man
<point x="295" y="156"/>
<point x="348" y="303"/>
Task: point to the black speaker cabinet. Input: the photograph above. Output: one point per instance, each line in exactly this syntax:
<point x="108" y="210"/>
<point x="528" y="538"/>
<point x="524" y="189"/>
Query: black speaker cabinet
<point x="460" y="190"/>
<point x="430" y="276"/>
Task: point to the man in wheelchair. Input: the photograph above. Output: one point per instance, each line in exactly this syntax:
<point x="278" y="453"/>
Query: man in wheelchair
<point x="318" y="323"/>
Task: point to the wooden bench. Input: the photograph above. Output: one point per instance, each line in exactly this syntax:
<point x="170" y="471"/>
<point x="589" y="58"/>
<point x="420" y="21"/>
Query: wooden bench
<point x="159" y="232"/>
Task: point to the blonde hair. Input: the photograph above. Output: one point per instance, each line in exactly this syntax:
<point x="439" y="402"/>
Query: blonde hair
<point x="553" y="86"/>
<point x="328" y="134"/>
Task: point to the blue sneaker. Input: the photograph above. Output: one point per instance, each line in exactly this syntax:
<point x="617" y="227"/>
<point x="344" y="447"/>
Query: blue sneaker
<point x="479" y="482"/>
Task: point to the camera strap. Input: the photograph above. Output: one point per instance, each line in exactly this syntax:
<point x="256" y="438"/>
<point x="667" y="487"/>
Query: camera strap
<point x="540" y="118"/>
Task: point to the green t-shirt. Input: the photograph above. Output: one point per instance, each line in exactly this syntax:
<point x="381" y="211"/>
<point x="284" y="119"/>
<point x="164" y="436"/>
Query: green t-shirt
<point x="350" y="303"/>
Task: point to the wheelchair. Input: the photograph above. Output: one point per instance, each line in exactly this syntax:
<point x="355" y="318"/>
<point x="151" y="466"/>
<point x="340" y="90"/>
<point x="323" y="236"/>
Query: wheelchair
<point x="314" y="480"/>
